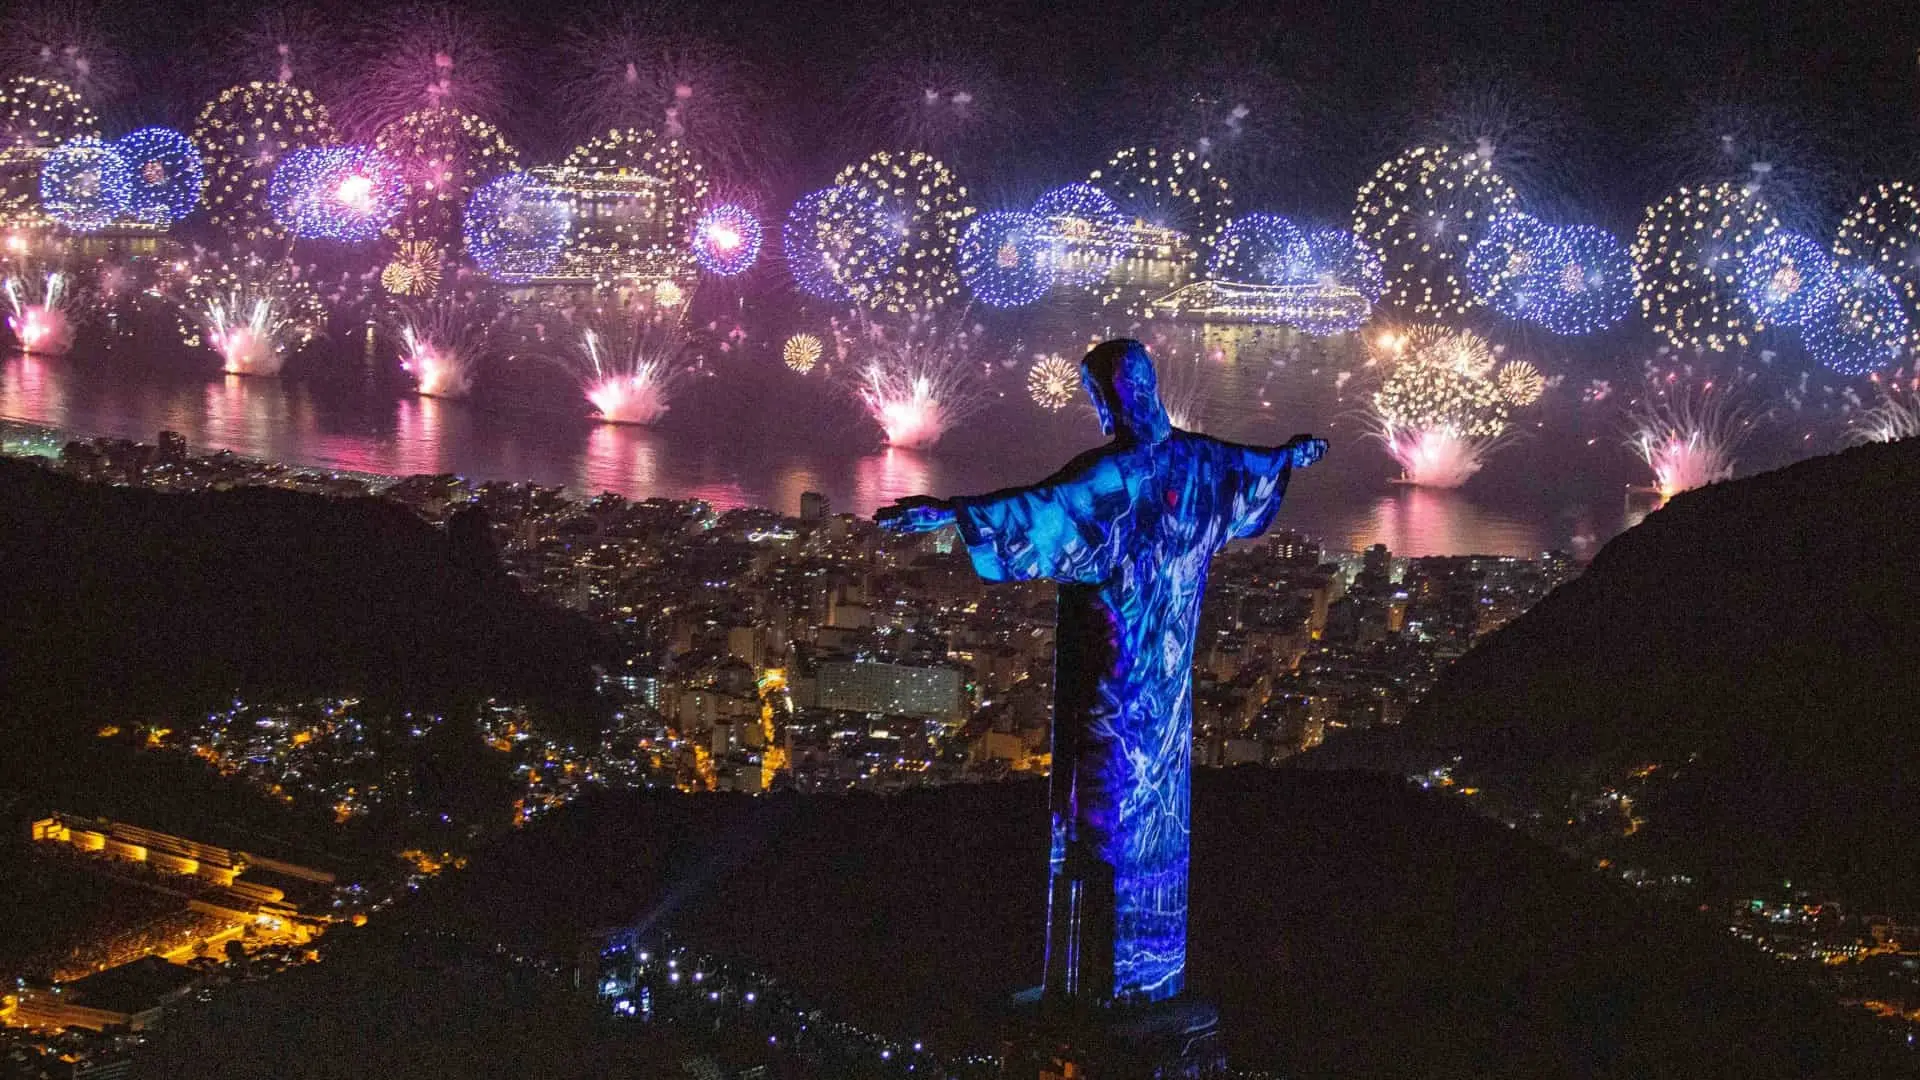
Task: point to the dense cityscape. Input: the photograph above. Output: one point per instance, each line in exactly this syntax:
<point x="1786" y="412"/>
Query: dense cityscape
<point x="761" y="652"/>
<point x="624" y="582"/>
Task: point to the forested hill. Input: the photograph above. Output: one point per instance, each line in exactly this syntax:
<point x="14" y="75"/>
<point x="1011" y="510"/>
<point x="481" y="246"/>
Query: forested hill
<point x="116" y="603"/>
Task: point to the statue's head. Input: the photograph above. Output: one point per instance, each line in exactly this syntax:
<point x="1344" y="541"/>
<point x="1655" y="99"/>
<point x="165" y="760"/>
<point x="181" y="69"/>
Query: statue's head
<point x="1118" y="375"/>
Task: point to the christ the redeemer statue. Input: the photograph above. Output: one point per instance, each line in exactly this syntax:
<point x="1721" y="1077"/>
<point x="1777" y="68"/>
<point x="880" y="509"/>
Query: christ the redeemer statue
<point x="1128" y="531"/>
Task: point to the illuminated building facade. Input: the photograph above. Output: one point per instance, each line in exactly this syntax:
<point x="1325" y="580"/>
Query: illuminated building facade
<point x="899" y="689"/>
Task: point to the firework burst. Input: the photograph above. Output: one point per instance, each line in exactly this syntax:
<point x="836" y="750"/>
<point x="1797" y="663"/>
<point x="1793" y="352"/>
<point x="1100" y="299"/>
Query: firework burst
<point x="629" y="356"/>
<point x="627" y="69"/>
<point x="1520" y="383"/>
<point x="918" y="380"/>
<point x="888" y="227"/>
<point x="1441" y="412"/>
<point x="1053" y="381"/>
<point x="62" y="41"/>
<point x="241" y="136"/>
<point x="443" y="155"/>
<point x="1894" y="415"/>
<point x="442" y="341"/>
<point x="1691" y="252"/>
<point x="432" y="59"/>
<point x="801" y="352"/>
<point x="252" y="313"/>
<point x="1686" y="431"/>
<point x="941" y="104"/>
<point x="38" y="306"/>
<point x="1424" y="212"/>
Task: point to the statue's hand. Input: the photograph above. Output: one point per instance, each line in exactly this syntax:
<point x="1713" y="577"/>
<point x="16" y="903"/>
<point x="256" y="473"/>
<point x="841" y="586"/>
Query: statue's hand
<point x="1306" y="449"/>
<point x="916" y="514"/>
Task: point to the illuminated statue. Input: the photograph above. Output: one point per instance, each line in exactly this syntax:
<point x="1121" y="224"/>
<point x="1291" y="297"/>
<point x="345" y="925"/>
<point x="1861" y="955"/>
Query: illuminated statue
<point x="1128" y="531"/>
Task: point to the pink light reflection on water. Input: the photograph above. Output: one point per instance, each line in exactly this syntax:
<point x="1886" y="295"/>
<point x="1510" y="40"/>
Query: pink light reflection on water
<point x="1418" y="521"/>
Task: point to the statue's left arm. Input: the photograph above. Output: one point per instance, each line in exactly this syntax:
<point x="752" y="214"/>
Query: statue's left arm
<point x="1069" y="527"/>
<point x="1255" y="479"/>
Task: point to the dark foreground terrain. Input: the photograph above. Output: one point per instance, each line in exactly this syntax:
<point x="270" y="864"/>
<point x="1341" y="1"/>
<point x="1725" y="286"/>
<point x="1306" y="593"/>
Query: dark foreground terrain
<point x="1346" y="925"/>
<point x="1757" y="640"/>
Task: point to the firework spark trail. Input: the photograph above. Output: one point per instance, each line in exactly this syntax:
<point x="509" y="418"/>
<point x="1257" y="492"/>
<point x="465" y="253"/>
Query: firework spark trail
<point x="442" y="342"/>
<point x="1894" y="415"/>
<point x="628" y="69"/>
<point x="252" y="313"/>
<point x="919" y="380"/>
<point x="63" y="41"/>
<point x="427" y="58"/>
<point x="1441" y="411"/>
<point x="39" y="306"/>
<point x="1687" y="433"/>
<point x="629" y="358"/>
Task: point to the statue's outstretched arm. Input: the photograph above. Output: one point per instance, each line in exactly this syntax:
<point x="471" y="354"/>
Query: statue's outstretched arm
<point x="925" y="513"/>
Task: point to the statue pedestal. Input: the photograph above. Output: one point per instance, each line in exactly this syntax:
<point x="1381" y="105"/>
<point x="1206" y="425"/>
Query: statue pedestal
<point x="1168" y="1040"/>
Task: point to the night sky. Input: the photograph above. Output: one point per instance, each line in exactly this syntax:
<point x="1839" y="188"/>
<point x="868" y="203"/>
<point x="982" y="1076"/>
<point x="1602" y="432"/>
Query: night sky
<point x="1609" y="103"/>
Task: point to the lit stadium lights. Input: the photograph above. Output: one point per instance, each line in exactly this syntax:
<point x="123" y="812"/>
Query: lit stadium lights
<point x="726" y="239"/>
<point x="85" y="185"/>
<point x="343" y="193"/>
<point x="1002" y="259"/>
<point x="1691" y="251"/>
<point x="165" y="174"/>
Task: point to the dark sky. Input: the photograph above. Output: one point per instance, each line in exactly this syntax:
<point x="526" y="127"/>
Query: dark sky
<point x="1611" y="101"/>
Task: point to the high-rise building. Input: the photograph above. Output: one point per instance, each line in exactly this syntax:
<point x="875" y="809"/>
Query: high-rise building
<point x="869" y="686"/>
<point x="814" y="506"/>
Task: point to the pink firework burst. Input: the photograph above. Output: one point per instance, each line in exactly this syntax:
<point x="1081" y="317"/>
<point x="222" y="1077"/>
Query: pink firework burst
<point x="626" y="69"/>
<point x="1687" y="432"/>
<point x="917" y="380"/>
<point x="630" y="357"/>
<point x="433" y="57"/>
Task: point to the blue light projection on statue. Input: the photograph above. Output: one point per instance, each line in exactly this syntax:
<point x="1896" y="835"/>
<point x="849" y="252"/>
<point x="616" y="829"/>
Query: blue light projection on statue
<point x="1128" y="530"/>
